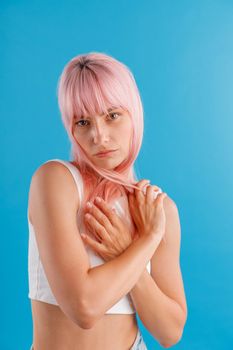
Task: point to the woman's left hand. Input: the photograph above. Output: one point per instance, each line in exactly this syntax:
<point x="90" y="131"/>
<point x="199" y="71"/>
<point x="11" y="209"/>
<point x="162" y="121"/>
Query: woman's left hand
<point x="112" y="234"/>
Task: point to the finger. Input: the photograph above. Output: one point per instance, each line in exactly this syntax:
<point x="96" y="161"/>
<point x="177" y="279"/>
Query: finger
<point x="131" y="197"/>
<point x="160" y="198"/>
<point x="92" y="230"/>
<point x="152" y="192"/>
<point x="131" y="200"/>
<point x="139" y="194"/>
<point x="97" y="228"/>
<point x="134" y="197"/>
<point x="96" y="246"/>
<point x="164" y="195"/>
<point x="141" y="183"/>
<point x="100" y="216"/>
<point x="105" y="208"/>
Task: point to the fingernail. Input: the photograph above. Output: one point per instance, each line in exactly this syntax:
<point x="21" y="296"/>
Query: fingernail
<point x="87" y="216"/>
<point x="98" y="199"/>
<point x="89" y="204"/>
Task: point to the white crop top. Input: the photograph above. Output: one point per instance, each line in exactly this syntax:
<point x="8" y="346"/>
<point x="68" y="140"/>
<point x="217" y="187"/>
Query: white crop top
<point x="39" y="288"/>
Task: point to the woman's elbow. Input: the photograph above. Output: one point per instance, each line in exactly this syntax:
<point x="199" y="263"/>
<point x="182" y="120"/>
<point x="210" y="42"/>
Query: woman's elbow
<point x="175" y="338"/>
<point x="86" y="317"/>
<point x="85" y="323"/>
<point x="173" y="341"/>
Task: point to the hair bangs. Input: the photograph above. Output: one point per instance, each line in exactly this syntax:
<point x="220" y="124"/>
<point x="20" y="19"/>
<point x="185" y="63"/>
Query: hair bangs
<point x="95" y="93"/>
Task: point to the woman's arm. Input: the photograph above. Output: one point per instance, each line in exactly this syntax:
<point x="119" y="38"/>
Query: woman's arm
<point x="108" y="283"/>
<point x="124" y="257"/>
<point x="159" y="298"/>
<point x="84" y="294"/>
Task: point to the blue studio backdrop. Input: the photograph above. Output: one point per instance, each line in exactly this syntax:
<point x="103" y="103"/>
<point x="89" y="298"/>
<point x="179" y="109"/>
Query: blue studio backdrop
<point x="181" y="54"/>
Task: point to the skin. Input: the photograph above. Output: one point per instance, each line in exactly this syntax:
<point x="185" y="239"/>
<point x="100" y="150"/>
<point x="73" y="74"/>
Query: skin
<point x="164" y="298"/>
<point x="103" y="132"/>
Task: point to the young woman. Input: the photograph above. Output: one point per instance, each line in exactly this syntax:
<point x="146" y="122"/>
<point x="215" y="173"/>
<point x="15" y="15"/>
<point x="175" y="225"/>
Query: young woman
<point x="93" y="264"/>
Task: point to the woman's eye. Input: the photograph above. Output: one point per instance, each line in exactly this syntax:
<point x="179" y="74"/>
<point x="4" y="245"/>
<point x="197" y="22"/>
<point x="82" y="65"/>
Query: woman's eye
<point x="80" y="121"/>
<point x="113" y="114"/>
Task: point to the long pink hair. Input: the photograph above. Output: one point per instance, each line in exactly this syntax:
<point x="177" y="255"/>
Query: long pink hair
<point x="90" y="84"/>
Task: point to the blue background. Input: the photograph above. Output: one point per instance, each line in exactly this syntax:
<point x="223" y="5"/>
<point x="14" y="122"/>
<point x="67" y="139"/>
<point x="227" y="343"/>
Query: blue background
<point x="181" y="54"/>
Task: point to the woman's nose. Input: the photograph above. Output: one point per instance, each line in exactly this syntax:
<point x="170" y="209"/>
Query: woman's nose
<point x="100" y="134"/>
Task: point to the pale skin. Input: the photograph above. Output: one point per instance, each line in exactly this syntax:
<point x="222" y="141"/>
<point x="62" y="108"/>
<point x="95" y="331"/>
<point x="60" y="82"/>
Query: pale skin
<point x="80" y="321"/>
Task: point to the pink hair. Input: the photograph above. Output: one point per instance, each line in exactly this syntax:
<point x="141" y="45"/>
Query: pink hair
<point x="90" y="84"/>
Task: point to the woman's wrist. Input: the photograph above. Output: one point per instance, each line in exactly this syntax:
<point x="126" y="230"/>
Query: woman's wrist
<point x="152" y="237"/>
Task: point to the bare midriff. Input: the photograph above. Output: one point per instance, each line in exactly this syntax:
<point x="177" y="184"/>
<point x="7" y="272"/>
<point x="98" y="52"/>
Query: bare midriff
<point x="53" y="330"/>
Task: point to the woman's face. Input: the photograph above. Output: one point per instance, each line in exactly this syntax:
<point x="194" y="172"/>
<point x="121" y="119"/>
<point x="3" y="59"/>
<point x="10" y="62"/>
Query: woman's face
<point x="105" y="132"/>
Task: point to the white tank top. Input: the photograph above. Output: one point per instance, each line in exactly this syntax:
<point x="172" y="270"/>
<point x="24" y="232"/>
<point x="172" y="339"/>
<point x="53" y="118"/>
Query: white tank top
<point x="39" y="288"/>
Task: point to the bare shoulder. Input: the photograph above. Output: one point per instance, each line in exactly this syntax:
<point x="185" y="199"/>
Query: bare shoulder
<point x="51" y="167"/>
<point x="49" y="178"/>
<point x="169" y="204"/>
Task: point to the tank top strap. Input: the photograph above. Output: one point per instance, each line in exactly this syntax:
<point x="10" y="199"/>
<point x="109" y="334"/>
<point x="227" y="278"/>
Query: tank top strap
<point x="75" y="173"/>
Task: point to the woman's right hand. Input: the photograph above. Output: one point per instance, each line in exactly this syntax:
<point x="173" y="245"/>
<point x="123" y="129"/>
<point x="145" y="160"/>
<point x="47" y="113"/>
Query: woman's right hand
<point x="146" y="209"/>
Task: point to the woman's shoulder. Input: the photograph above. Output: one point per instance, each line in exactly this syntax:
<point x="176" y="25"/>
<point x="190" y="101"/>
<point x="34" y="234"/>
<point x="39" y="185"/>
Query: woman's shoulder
<point x="55" y="164"/>
<point x="49" y="166"/>
<point x="56" y="172"/>
<point x="51" y="178"/>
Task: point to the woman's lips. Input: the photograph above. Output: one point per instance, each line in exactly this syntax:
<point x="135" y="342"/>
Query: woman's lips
<point x="105" y="154"/>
